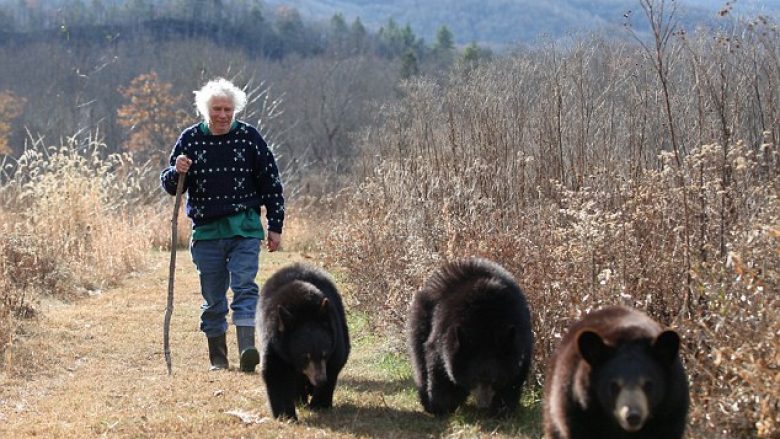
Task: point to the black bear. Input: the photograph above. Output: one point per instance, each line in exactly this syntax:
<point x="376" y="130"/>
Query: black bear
<point x="469" y="331"/>
<point x="616" y="374"/>
<point x="304" y="338"/>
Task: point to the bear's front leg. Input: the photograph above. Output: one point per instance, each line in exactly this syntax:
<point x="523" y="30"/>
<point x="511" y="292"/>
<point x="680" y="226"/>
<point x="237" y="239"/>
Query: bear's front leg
<point x="444" y="396"/>
<point x="302" y="389"/>
<point x="506" y="400"/>
<point x="322" y="396"/>
<point x="281" y="389"/>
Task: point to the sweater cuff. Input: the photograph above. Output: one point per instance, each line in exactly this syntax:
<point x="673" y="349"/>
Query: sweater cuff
<point x="275" y="228"/>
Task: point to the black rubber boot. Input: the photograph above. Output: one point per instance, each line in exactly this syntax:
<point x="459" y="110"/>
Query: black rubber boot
<point x="218" y="352"/>
<point x="250" y="357"/>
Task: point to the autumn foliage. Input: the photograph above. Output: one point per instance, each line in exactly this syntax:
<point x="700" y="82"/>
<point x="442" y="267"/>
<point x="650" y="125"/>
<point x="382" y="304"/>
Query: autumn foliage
<point x="153" y="114"/>
<point x="11" y="107"/>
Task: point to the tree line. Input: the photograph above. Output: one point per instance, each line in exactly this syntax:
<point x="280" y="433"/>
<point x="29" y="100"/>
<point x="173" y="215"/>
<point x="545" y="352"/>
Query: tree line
<point x="244" y="24"/>
<point x="76" y="69"/>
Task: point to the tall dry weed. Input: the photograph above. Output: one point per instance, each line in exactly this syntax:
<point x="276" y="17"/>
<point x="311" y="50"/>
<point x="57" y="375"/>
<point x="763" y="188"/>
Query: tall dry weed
<point x="71" y="222"/>
<point x="158" y="216"/>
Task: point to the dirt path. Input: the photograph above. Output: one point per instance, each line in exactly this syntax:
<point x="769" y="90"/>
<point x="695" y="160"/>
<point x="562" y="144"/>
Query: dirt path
<point x="98" y="370"/>
<point x="102" y="370"/>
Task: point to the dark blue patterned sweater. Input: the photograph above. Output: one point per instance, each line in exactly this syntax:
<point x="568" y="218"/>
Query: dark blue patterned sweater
<point x="229" y="173"/>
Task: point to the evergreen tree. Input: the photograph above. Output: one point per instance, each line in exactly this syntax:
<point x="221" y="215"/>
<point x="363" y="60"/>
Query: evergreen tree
<point x="471" y="54"/>
<point x="395" y="41"/>
<point x="291" y="30"/>
<point x="408" y="39"/>
<point x="357" y="28"/>
<point x="388" y="36"/>
<point x="444" y="40"/>
<point x="358" y="36"/>
<point x="338" y="35"/>
<point x="251" y="24"/>
<point x="443" y="51"/>
<point x="409" y="66"/>
<point x="338" y="26"/>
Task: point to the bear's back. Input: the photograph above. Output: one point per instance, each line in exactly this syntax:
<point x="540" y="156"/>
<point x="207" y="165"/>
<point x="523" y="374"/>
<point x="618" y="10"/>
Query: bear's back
<point x="478" y="285"/>
<point x="303" y="273"/>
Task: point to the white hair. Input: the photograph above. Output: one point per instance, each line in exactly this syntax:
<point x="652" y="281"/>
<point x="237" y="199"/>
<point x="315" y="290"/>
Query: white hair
<point x="219" y="87"/>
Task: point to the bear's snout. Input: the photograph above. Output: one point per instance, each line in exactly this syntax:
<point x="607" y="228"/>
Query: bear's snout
<point x="634" y="419"/>
<point x="316" y="372"/>
<point x="631" y="409"/>
<point x="483" y="395"/>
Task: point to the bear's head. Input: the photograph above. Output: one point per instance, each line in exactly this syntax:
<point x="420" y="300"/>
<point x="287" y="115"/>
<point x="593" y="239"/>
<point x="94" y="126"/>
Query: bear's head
<point x="308" y="342"/>
<point x="629" y="379"/>
<point x="483" y="361"/>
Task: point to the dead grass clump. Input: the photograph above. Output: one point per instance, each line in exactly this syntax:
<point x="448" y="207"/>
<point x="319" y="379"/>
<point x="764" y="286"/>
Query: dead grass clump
<point x="77" y="204"/>
<point x="15" y="302"/>
<point x="158" y="221"/>
<point x="305" y="224"/>
<point x="70" y="222"/>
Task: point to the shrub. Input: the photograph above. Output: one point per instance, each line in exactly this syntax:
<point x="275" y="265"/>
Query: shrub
<point x="616" y="235"/>
<point x="70" y="222"/>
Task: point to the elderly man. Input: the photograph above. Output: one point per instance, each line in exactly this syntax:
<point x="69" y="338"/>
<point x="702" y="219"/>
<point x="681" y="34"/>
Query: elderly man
<point x="230" y="174"/>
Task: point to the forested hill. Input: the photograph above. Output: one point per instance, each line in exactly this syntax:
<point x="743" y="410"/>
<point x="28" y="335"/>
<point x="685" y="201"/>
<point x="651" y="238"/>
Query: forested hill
<point x="494" y="23"/>
<point x="505" y="22"/>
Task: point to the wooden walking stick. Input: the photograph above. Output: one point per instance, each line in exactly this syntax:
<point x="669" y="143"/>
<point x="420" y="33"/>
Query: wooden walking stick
<point x="171" y="273"/>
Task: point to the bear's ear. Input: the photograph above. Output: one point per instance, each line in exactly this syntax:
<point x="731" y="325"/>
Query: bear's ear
<point x="324" y="307"/>
<point x="592" y="348"/>
<point x="286" y="318"/>
<point x="666" y="346"/>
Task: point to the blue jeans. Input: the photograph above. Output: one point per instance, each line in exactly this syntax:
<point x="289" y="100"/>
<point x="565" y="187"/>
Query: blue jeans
<point x="224" y="263"/>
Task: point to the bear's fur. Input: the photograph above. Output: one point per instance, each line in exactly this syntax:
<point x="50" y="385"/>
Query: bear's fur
<point x="469" y="331"/>
<point x="616" y="374"/>
<point x="304" y="338"/>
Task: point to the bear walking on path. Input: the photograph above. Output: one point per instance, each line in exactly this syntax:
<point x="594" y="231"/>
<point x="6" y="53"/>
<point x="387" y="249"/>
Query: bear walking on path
<point x="469" y="331"/>
<point x="616" y="374"/>
<point x="305" y="342"/>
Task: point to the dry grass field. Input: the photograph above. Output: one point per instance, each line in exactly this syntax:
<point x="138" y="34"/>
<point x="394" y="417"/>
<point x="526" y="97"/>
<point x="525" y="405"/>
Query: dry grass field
<point x="597" y="172"/>
<point x="94" y="367"/>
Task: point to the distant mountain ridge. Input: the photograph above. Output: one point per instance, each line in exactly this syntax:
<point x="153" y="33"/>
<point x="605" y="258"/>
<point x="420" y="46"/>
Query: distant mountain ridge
<point x="501" y="23"/>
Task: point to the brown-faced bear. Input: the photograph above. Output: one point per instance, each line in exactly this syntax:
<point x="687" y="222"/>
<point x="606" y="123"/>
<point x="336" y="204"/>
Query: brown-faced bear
<point x="616" y="374"/>
<point x="469" y="331"/>
<point x="305" y="341"/>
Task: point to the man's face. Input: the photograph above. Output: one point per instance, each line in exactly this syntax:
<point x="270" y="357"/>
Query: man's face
<point x="220" y="114"/>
